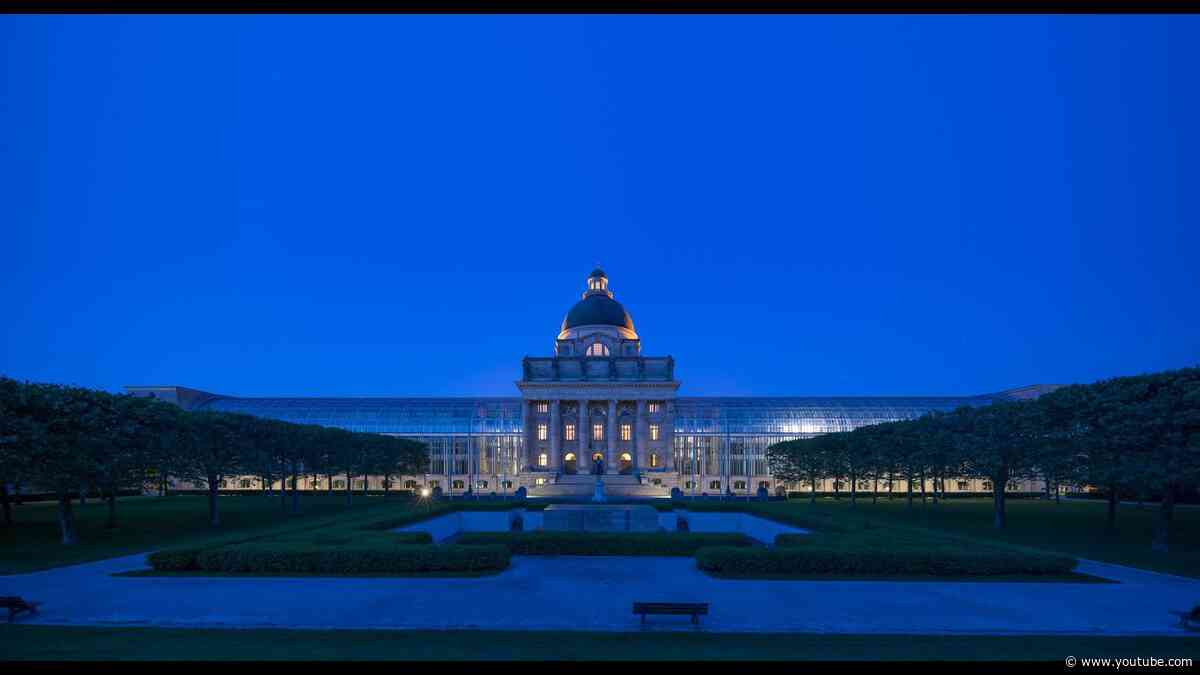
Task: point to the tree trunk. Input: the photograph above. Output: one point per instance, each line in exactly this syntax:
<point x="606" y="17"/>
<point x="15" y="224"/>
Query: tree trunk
<point x="214" y="516"/>
<point x="1111" y="525"/>
<point x="349" y="491"/>
<point x="329" y="489"/>
<point x="922" y="488"/>
<point x="891" y="486"/>
<point x="112" y="509"/>
<point x="283" y="476"/>
<point x="812" y="493"/>
<point x="295" y="492"/>
<point x="83" y="495"/>
<point x="65" y="523"/>
<point x="366" y="484"/>
<point x="908" y="490"/>
<point x="1057" y="493"/>
<point x="7" y="504"/>
<point x="1162" y="529"/>
<point x="853" y="488"/>
<point x="1001" y="517"/>
<point x="875" y="490"/>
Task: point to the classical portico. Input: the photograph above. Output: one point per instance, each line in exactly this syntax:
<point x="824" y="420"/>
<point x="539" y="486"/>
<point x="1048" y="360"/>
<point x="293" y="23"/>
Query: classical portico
<point x="598" y="396"/>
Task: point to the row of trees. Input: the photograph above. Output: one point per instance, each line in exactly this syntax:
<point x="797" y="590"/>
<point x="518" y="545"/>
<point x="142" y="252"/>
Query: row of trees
<point x="69" y="440"/>
<point x="1136" y="435"/>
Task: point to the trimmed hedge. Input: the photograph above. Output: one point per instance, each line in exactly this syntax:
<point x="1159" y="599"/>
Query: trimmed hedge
<point x="819" y="560"/>
<point x="299" y="558"/>
<point x="605" y="543"/>
<point x="356" y="539"/>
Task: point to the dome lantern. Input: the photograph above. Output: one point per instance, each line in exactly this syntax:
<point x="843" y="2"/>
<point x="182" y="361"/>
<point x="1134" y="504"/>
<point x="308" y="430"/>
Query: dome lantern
<point x="597" y="282"/>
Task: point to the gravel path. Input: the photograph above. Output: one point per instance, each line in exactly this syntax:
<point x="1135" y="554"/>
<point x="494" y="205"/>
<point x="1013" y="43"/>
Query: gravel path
<point x="595" y="593"/>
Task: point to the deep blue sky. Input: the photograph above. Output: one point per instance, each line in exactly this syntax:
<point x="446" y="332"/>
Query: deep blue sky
<point x="407" y="205"/>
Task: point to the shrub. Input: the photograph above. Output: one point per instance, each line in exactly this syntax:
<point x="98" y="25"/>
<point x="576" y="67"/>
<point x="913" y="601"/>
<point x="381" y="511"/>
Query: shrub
<point x="825" y="560"/>
<point x="605" y="543"/>
<point x="356" y="539"/>
<point x="174" y="560"/>
<point x="297" y="558"/>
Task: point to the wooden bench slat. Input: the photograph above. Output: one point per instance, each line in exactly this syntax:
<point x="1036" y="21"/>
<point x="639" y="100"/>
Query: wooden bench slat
<point x="694" y="609"/>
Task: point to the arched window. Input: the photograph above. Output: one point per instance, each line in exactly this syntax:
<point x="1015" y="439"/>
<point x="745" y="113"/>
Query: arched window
<point x="597" y="349"/>
<point x="543" y="459"/>
<point x="570" y="457"/>
<point x="653" y="460"/>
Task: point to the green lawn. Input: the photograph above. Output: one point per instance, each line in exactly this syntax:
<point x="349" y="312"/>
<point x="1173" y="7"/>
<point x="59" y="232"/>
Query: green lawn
<point x="1072" y="527"/>
<point x="1075" y="528"/>
<point x="54" y="643"/>
<point x="146" y="523"/>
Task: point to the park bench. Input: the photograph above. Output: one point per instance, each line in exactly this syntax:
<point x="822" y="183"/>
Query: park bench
<point x="17" y="605"/>
<point x="695" y="609"/>
<point x="1189" y="620"/>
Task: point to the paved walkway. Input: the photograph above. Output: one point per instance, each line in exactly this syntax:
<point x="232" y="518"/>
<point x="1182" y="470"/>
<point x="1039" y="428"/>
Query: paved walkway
<point x="595" y="593"/>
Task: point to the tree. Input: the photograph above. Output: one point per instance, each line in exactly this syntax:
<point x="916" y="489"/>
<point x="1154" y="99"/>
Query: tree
<point x="217" y="440"/>
<point x="799" y="460"/>
<point x="119" y="446"/>
<point x="17" y="431"/>
<point x="999" y="442"/>
<point x="1156" y="419"/>
<point x="62" y="419"/>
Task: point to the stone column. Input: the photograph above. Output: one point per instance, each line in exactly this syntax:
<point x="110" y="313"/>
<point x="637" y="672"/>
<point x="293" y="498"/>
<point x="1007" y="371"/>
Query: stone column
<point x="668" y="435"/>
<point x="555" y="435"/>
<point x="610" y="461"/>
<point x="641" y="430"/>
<point x="583" y="462"/>
<point x="526" y="460"/>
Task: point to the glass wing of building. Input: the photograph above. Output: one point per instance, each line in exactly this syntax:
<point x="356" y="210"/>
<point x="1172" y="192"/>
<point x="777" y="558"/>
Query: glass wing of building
<point x="714" y="436"/>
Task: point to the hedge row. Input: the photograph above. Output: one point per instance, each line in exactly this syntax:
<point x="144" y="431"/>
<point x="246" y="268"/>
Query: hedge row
<point x="605" y="543"/>
<point x="827" y="561"/>
<point x="301" y="558"/>
<point x="335" y="537"/>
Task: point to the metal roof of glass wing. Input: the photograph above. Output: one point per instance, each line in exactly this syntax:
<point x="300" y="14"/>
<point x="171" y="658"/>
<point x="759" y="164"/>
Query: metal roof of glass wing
<point x="387" y="415"/>
<point x="790" y="416"/>
<point x="803" y="415"/>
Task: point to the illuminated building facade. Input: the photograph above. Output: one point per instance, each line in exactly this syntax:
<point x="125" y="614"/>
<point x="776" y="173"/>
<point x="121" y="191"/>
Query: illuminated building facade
<point x="598" y="405"/>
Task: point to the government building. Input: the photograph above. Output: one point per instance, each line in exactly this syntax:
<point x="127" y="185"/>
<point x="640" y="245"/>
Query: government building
<point x="598" y="405"/>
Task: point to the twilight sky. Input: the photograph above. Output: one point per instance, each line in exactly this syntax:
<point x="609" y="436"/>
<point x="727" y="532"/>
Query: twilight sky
<point x="407" y="205"/>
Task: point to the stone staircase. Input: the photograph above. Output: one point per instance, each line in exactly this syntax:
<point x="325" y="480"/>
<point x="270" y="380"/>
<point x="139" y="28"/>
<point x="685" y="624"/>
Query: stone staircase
<point x="582" y="485"/>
